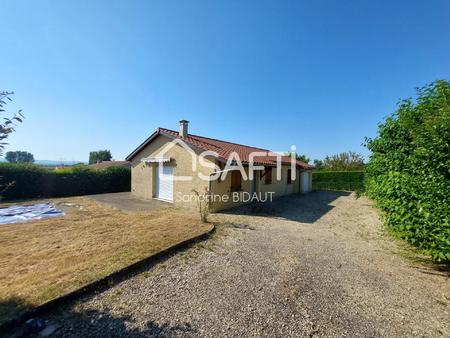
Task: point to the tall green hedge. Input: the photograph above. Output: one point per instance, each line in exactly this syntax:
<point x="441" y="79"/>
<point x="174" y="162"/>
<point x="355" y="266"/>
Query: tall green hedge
<point x="408" y="174"/>
<point x="338" y="180"/>
<point x="29" y="180"/>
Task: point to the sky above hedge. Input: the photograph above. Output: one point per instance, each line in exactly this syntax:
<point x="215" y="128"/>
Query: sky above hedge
<point x="318" y="74"/>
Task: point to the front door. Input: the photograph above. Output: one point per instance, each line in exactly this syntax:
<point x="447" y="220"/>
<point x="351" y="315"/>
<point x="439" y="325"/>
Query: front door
<point x="255" y="182"/>
<point x="304" y="183"/>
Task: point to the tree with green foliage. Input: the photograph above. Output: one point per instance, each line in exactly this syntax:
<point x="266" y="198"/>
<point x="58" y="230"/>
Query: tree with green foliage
<point x="318" y="164"/>
<point x="6" y="128"/>
<point x="347" y="161"/>
<point x="9" y="122"/>
<point x="99" y="156"/>
<point x="300" y="157"/>
<point x="19" y="157"/>
<point x="408" y="174"/>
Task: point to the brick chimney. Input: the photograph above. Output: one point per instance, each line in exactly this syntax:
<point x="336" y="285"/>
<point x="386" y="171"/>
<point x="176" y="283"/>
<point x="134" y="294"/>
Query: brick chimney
<point x="184" y="124"/>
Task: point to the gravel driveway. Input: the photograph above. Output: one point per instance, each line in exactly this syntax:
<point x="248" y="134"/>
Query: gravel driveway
<point x="312" y="265"/>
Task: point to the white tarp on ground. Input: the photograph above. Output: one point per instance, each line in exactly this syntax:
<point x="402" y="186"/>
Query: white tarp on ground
<point x="23" y="213"/>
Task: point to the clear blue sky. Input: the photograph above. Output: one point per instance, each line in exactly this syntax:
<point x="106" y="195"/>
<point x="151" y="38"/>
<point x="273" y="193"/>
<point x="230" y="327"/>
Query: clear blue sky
<point x="318" y="74"/>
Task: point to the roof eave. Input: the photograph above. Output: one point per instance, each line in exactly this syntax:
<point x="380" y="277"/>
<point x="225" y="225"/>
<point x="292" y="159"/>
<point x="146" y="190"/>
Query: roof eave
<point x="142" y="145"/>
<point x="161" y="132"/>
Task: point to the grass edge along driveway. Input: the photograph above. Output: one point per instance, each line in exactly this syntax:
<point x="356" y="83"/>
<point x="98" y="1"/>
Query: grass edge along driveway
<point x="45" y="259"/>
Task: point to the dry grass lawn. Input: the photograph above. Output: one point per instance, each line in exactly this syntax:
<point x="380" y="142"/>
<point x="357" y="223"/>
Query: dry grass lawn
<point x="43" y="259"/>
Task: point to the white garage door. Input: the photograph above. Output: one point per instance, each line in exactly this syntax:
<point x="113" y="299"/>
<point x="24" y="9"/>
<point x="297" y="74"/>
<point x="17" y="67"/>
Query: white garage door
<point x="164" y="183"/>
<point x="305" y="182"/>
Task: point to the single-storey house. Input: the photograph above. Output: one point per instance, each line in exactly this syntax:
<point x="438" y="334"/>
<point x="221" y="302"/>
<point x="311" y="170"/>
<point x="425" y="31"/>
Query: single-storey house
<point x="170" y="165"/>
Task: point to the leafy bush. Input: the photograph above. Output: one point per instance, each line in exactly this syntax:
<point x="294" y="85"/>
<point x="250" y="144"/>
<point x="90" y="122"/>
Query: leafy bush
<point x="338" y="180"/>
<point x="30" y="180"/>
<point x="408" y="174"/>
<point x="347" y="161"/>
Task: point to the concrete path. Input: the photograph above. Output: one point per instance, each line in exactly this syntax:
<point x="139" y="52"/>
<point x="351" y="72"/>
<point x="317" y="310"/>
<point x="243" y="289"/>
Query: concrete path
<point x="127" y="202"/>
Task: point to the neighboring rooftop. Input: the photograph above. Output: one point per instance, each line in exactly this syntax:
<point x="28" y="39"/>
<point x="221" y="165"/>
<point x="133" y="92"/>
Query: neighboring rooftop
<point x="107" y="164"/>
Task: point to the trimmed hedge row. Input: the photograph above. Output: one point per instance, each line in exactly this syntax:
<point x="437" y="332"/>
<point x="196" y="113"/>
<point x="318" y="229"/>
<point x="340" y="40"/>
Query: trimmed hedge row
<point x="408" y="174"/>
<point x="338" y="180"/>
<point x="30" y="180"/>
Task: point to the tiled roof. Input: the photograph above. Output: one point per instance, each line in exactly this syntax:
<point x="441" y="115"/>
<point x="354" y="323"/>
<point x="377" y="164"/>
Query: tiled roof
<point x="107" y="164"/>
<point x="223" y="148"/>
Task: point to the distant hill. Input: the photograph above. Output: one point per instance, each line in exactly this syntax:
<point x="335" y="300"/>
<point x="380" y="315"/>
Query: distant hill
<point x="52" y="163"/>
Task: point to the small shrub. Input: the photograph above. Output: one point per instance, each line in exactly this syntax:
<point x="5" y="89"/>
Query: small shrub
<point x="203" y="203"/>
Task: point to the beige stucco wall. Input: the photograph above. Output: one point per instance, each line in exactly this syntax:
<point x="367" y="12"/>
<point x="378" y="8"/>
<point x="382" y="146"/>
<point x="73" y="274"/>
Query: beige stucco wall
<point x="142" y="174"/>
<point x="222" y="188"/>
<point x="279" y="188"/>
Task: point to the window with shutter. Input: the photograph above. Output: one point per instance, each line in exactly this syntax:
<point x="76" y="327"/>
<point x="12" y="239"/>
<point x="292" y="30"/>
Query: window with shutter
<point x="221" y="166"/>
<point x="289" y="178"/>
<point x="268" y="176"/>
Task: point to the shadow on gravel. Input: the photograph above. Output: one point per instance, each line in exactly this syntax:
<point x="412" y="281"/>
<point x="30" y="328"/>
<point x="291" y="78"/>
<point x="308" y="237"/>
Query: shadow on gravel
<point x="90" y="323"/>
<point x="104" y="324"/>
<point x="299" y="208"/>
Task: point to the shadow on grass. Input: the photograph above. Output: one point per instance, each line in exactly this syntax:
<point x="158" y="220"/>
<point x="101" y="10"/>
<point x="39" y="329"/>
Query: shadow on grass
<point x="11" y="307"/>
<point x="300" y="208"/>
